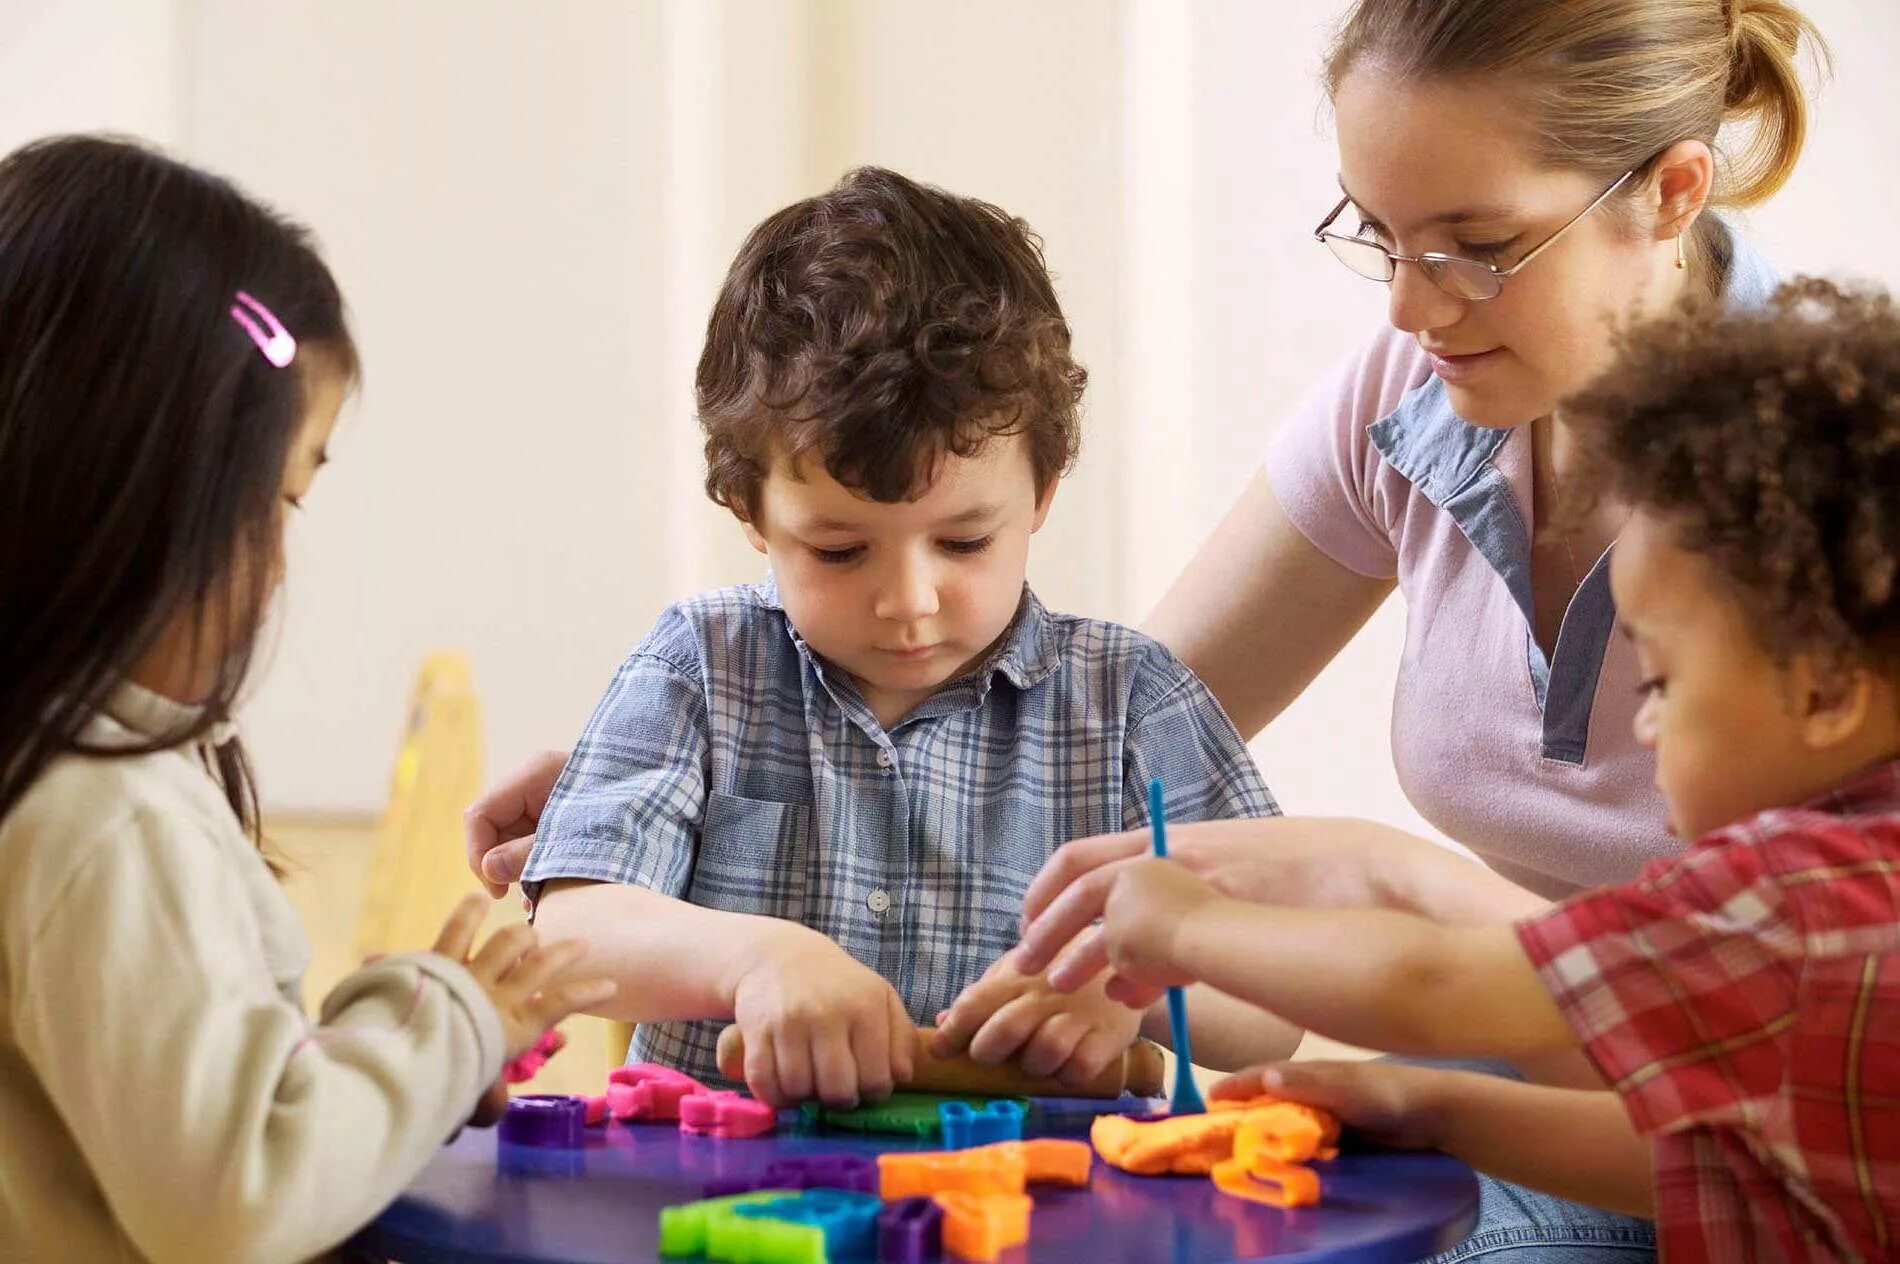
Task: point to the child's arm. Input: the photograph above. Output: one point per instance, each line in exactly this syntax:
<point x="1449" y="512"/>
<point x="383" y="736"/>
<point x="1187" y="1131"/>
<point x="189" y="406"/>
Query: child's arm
<point x="816" y="1022"/>
<point x="220" y="1122"/>
<point x="1370" y="977"/>
<point x="1574" y="1143"/>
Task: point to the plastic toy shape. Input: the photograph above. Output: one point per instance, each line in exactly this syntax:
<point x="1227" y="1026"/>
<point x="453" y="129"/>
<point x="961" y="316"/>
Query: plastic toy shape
<point x="983" y="1226"/>
<point x="1261" y="1170"/>
<point x="1052" y="1161"/>
<point x="1266" y="1181"/>
<point x="540" y="1120"/>
<point x="848" y="1221"/>
<point x="726" y="1115"/>
<point x="686" y="1229"/>
<point x="822" y="1171"/>
<point x="999" y="1169"/>
<point x="726" y="1186"/>
<point x="736" y="1238"/>
<point x="647" y="1090"/>
<point x="909" y="1231"/>
<point x="900" y="1114"/>
<point x="965" y="1126"/>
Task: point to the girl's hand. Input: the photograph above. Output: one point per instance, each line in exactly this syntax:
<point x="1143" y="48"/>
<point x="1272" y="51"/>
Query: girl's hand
<point x="517" y="971"/>
<point x="490" y="1106"/>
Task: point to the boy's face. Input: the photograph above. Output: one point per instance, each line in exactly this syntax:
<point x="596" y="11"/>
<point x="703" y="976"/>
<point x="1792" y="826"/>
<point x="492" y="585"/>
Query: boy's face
<point x="905" y="597"/>
<point x="1735" y="732"/>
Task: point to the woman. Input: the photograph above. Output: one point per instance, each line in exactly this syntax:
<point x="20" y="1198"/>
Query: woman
<point x="1527" y="175"/>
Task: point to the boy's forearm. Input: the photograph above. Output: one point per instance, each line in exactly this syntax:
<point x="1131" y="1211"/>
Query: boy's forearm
<point x="1376" y="978"/>
<point x="1575" y="1143"/>
<point x="671" y="959"/>
<point x="1228" y="1033"/>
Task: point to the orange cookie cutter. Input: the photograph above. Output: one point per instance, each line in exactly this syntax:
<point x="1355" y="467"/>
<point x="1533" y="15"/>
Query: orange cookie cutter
<point x="1258" y="1170"/>
<point x="983" y="1226"/>
<point x="1004" y="1167"/>
<point x="983" y="1170"/>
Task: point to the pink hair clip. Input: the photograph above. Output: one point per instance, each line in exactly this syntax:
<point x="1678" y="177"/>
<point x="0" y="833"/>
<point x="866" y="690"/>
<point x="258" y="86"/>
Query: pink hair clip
<point x="278" y="346"/>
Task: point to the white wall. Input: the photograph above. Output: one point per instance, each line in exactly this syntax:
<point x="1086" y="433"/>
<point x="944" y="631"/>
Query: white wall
<point x="94" y="65"/>
<point x="529" y="206"/>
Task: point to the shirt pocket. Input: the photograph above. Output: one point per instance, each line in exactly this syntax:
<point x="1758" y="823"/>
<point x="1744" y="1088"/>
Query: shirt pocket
<point x="754" y="857"/>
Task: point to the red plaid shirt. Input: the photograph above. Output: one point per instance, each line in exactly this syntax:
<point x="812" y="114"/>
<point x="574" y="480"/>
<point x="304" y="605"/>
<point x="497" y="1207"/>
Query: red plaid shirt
<point x="1744" y="999"/>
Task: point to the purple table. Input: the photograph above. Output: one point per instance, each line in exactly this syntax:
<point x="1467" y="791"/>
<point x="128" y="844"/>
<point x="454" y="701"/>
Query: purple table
<point x="483" y="1201"/>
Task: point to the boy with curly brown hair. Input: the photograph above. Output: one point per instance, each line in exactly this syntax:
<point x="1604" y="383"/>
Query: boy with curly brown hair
<point x="1741" y="1002"/>
<point x="813" y="805"/>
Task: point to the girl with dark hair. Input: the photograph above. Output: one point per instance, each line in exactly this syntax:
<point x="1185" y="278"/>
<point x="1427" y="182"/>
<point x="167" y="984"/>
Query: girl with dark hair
<point x="172" y="359"/>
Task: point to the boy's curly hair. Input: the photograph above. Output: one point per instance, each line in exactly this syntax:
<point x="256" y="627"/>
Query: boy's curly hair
<point x="878" y="327"/>
<point x="1770" y="440"/>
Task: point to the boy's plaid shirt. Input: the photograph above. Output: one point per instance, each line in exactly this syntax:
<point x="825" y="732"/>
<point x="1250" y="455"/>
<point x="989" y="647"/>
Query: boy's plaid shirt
<point x="729" y="766"/>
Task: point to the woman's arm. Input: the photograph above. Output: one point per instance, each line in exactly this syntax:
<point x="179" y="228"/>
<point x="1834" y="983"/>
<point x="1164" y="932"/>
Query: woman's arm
<point x="1260" y="610"/>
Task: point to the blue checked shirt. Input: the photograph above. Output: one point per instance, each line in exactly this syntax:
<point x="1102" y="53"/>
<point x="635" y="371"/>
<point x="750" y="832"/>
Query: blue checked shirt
<point x="730" y="766"/>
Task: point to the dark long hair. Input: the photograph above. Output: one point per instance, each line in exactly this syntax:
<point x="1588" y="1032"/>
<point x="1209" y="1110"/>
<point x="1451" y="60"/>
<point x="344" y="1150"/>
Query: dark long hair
<point x="143" y="435"/>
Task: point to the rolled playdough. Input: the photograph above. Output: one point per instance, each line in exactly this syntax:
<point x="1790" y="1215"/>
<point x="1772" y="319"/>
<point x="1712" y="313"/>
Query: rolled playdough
<point x="1139" y="1071"/>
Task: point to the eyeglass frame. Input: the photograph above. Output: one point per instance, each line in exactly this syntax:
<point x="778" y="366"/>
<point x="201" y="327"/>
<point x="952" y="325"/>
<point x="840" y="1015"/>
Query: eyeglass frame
<point x="1500" y="275"/>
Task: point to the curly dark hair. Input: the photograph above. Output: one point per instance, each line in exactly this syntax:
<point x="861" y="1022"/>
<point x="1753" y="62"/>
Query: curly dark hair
<point x="1770" y="440"/>
<point x="879" y="327"/>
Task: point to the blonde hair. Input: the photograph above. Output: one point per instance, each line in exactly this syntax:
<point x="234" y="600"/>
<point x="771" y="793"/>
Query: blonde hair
<point x="1612" y="83"/>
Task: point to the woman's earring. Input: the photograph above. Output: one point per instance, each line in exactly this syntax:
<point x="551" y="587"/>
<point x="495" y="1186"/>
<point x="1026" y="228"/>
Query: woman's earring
<point x="1682" y="260"/>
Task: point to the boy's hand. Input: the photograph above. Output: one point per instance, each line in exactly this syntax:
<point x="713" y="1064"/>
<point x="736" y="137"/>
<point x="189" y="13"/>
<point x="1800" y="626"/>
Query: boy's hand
<point x="516" y="970"/>
<point x="1150" y="903"/>
<point x="816" y="1023"/>
<point x="1008" y="1014"/>
<point x="1389" y="1102"/>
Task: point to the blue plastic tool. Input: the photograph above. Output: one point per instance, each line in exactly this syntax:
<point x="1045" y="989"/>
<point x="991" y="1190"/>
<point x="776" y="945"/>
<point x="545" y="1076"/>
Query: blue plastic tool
<point x="1186" y="1098"/>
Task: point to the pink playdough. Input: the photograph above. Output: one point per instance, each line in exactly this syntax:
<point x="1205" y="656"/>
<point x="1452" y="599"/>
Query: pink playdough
<point x="727" y="1115"/>
<point x="525" y="1067"/>
<point x="647" y="1090"/>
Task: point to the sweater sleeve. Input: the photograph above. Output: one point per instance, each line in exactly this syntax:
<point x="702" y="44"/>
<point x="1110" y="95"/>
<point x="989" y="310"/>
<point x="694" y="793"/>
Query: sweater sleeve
<point x="219" y="1121"/>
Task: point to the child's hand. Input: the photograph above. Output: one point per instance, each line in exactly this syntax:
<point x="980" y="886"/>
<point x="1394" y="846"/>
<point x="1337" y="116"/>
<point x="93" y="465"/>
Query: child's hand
<point x="515" y="969"/>
<point x="490" y="1106"/>
<point x="1008" y="1014"/>
<point x="816" y="1023"/>
<point x="1390" y="1102"/>
<point x="1147" y="907"/>
<point x="498" y="828"/>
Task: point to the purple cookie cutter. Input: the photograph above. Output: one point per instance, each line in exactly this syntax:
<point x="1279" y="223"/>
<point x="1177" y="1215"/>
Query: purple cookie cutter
<point x="545" y="1119"/>
<point x="909" y="1231"/>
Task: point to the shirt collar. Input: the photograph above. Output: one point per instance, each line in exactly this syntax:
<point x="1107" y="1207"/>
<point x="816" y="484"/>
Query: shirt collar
<point x="1873" y="791"/>
<point x="148" y="715"/>
<point x="1026" y="654"/>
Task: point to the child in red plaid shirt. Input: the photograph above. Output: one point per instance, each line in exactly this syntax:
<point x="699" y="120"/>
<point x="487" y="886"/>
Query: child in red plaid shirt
<point x="1741" y="1002"/>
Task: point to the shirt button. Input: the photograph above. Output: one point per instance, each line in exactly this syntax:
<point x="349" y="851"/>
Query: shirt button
<point x="878" y="901"/>
<point x="884" y="759"/>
